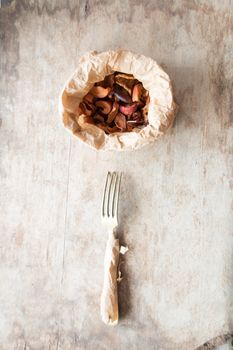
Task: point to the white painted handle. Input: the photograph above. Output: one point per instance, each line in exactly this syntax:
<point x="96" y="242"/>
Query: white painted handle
<point x="109" y="296"/>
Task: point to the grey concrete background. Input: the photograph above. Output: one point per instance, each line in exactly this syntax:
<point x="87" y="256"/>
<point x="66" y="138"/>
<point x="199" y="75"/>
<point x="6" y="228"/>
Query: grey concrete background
<point x="176" y="200"/>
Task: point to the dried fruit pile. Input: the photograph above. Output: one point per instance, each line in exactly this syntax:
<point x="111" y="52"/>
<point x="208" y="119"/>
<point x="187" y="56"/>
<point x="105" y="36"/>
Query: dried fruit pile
<point x="119" y="103"/>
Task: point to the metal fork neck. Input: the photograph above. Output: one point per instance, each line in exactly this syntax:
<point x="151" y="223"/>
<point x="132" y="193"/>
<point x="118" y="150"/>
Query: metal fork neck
<point x="112" y="233"/>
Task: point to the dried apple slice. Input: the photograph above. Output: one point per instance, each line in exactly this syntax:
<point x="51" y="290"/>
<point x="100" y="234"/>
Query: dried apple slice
<point x="113" y="129"/>
<point x="120" y="121"/>
<point x="144" y="96"/>
<point x="89" y="98"/>
<point x="104" y="106"/>
<point x="83" y="119"/>
<point x="124" y="75"/>
<point x="113" y="112"/>
<point x="130" y="127"/>
<point x="100" y="92"/>
<point x="87" y="110"/>
<point x="137" y="92"/>
<point x="145" y="113"/>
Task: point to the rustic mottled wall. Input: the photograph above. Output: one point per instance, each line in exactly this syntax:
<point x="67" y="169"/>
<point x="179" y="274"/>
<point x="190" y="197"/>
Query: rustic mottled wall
<point x="176" y="202"/>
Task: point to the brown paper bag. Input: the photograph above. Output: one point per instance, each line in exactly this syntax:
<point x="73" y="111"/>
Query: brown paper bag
<point x="94" y="67"/>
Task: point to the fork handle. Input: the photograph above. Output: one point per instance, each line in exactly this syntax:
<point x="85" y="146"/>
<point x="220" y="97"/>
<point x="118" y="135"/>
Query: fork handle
<point x="109" y="296"/>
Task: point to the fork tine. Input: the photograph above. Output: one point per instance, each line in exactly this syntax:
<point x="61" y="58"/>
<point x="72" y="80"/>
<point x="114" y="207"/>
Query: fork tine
<point x="110" y="195"/>
<point x="105" y="200"/>
<point x="118" y="183"/>
<point x="114" y="194"/>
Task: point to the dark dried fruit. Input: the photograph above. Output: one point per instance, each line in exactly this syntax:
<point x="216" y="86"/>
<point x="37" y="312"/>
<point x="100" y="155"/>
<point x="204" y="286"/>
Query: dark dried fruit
<point x="109" y="80"/>
<point x="141" y="104"/>
<point x="98" y="118"/>
<point x="127" y="81"/>
<point x="129" y="127"/>
<point x="121" y="94"/>
<point x="137" y="116"/>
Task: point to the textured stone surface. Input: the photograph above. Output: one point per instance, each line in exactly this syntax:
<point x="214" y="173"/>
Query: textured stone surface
<point x="176" y="200"/>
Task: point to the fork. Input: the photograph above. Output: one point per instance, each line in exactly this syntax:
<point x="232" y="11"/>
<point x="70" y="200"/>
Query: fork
<point x="109" y="216"/>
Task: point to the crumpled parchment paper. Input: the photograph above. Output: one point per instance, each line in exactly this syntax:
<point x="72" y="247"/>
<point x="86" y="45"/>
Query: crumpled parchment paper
<point x="94" y="67"/>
